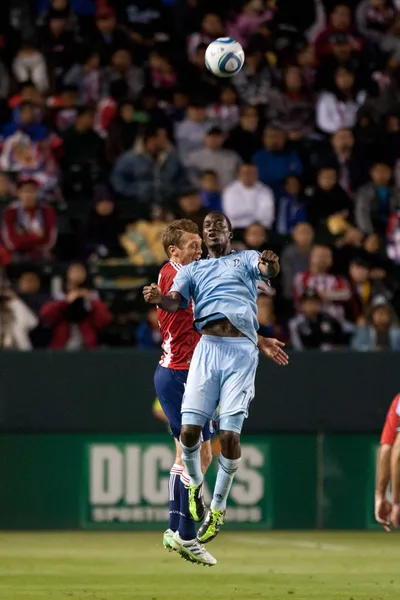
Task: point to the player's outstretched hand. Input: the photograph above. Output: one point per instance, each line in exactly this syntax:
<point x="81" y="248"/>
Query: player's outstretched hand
<point x="152" y="294"/>
<point x="395" y="516"/>
<point x="272" y="348"/>
<point x="272" y="260"/>
<point x="383" y="509"/>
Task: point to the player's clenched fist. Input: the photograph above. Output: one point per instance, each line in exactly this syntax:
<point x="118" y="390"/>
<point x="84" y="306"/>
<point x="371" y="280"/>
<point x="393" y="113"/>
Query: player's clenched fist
<point x="271" y="260"/>
<point x="152" y="294"/>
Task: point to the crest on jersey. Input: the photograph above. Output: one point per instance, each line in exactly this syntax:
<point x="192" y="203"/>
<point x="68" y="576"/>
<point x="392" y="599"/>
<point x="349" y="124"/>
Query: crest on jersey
<point x="236" y="262"/>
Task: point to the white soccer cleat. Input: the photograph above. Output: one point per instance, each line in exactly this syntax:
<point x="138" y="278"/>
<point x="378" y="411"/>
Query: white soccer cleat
<point x="192" y="551"/>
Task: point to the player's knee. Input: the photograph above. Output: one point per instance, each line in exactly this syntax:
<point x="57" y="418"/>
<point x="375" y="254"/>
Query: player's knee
<point x="190" y="435"/>
<point x="205" y="456"/>
<point x="230" y="444"/>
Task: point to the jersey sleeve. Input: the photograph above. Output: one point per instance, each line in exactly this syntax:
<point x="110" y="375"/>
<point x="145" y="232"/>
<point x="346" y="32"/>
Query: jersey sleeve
<point x="251" y="259"/>
<point x="392" y="423"/>
<point x="183" y="285"/>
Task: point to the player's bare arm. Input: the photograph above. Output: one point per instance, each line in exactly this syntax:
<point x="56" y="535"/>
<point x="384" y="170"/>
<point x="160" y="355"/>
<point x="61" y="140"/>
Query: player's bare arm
<point x="272" y="349"/>
<point x="383" y="507"/>
<point x="269" y="264"/>
<point x="152" y="295"/>
<point x="395" y="478"/>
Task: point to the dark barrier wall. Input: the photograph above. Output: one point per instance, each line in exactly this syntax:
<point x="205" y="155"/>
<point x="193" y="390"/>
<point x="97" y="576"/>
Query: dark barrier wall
<point x="112" y="392"/>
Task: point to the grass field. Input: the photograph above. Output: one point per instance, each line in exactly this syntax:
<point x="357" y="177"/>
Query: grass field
<point x="277" y="566"/>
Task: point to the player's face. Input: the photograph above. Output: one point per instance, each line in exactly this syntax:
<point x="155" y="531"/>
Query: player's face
<point x="216" y="233"/>
<point x="190" y="249"/>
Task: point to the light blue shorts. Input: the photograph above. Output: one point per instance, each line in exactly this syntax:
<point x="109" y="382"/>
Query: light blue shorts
<point x="221" y="374"/>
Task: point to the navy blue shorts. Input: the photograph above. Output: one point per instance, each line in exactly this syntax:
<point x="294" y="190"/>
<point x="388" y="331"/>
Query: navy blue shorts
<point x="170" y="387"/>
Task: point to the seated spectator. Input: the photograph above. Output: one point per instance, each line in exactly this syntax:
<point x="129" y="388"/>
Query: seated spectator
<point x="122" y="132"/>
<point x="334" y="290"/>
<point x="390" y="43"/>
<point x="306" y="60"/>
<point x="27" y="123"/>
<point x="327" y="199"/>
<point x="255" y="237"/>
<point x="276" y="161"/>
<point x="339" y="23"/>
<point x="162" y="74"/>
<point x="190" y="207"/>
<point x="108" y="105"/>
<point x="29" y="228"/>
<point x="122" y="68"/>
<point x="348" y="161"/>
<point x="225" y="113"/>
<point x="58" y="45"/>
<point x="142" y="241"/>
<point x="211" y="28"/>
<point x="248" y="21"/>
<point x="295" y="257"/>
<point x="381" y="331"/>
<point x="7" y="189"/>
<point x="253" y="82"/>
<point x="76" y="318"/>
<point x="16" y="322"/>
<point x="213" y="156"/>
<point x="190" y="132"/>
<point x="64" y="107"/>
<point x="148" y="334"/>
<point x="291" y="206"/>
<point x="245" y="138"/>
<point x="30" y="64"/>
<point x="343" y="55"/>
<point x="29" y="290"/>
<point x="196" y="79"/>
<point x="27" y="92"/>
<point x="100" y="233"/>
<point x="108" y="37"/>
<point x="374" y="252"/>
<point x="268" y="322"/>
<point x="87" y="77"/>
<point x="312" y="328"/>
<point x="374" y="18"/>
<point x="59" y="8"/>
<point x="364" y="290"/>
<point x="291" y="108"/>
<point x="337" y="109"/>
<point x="83" y="154"/>
<point x="154" y="175"/>
<point x="376" y="201"/>
<point x="247" y="200"/>
<point x="210" y="191"/>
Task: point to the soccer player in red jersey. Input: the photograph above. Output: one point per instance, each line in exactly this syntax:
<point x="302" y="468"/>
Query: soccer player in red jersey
<point x="383" y="507"/>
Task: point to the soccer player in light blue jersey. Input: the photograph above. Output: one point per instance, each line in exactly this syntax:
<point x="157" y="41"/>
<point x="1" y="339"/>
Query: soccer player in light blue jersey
<point x="224" y="364"/>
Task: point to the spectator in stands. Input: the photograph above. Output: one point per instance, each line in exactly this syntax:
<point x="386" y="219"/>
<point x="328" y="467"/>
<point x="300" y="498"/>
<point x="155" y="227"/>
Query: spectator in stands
<point x="225" y="112"/>
<point x="76" y="320"/>
<point x="61" y="9"/>
<point x="29" y="228"/>
<point x="190" y="207"/>
<point x="313" y="328"/>
<point x="342" y="55"/>
<point x="390" y="43"/>
<point x="29" y="290"/>
<point x="291" y="206"/>
<point x="148" y="334"/>
<point x="108" y="37"/>
<point x="142" y="240"/>
<point x="122" y="68"/>
<point x="364" y="290"/>
<point x="245" y="138"/>
<point x="305" y="59"/>
<point x="291" y="107"/>
<point x="64" y="107"/>
<point x="87" y="77"/>
<point x="214" y="156"/>
<point x="253" y="82"/>
<point x="348" y="161"/>
<point x="7" y="189"/>
<point x="162" y="75"/>
<point x="247" y="200"/>
<point x="334" y="290"/>
<point x="27" y="123"/>
<point x="196" y="79"/>
<point x="122" y="132"/>
<point x="4" y="82"/>
<point x="154" y="175"/>
<point x="247" y="22"/>
<point x="16" y="322"/>
<point x="276" y="161"/>
<point x="381" y="331"/>
<point x="376" y="201"/>
<point x="268" y="321"/>
<point x="337" y="109"/>
<point x="30" y="64"/>
<point x="108" y="106"/>
<point x="327" y="199"/>
<point x="58" y="45"/>
<point x="295" y="257"/>
<point x="211" y="28"/>
<point x="374" y="18"/>
<point x="100" y="234"/>
<point x="339" y="23"/>
<point x="255" y="237"/>
<point x="210" y="191"/>
<point x="190" y="132"/>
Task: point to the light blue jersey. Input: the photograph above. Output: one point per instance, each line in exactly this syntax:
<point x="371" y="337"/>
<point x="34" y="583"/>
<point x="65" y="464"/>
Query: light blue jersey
<point x="223" y="287"/>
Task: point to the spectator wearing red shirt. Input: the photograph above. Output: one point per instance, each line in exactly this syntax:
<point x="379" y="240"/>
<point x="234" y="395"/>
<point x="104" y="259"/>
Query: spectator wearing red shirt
<point x="29" y="228"/>
<point x="339" y="24"/>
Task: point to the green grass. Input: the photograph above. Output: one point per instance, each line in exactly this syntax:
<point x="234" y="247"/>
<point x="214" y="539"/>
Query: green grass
<point x="271" y="565"/>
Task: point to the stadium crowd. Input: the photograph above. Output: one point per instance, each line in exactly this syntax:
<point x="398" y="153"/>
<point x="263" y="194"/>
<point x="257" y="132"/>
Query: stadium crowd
<point x="111" y="126"/>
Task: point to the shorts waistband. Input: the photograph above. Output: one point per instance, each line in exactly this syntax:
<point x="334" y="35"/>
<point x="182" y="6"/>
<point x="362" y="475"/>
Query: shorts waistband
<point x="215" y="339"/>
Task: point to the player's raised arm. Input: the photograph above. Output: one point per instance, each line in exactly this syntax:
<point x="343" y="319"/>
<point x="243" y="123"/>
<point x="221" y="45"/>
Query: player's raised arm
<point x="269" y="264"/>
<point x="152" y="295"/>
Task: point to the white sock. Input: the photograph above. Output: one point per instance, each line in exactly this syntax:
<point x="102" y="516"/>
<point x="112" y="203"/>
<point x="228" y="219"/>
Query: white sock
<point x="191" y="460"/>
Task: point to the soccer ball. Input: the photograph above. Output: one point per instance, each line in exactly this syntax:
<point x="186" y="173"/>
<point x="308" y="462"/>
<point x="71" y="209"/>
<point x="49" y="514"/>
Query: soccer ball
<point x="224" y="57"/>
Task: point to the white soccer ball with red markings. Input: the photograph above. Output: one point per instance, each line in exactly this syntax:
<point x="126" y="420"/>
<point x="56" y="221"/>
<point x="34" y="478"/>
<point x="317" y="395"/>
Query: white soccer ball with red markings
<point x="224" y="57"/>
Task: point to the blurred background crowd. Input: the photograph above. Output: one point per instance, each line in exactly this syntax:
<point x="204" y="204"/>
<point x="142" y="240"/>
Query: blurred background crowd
<point x="111" y="126"/>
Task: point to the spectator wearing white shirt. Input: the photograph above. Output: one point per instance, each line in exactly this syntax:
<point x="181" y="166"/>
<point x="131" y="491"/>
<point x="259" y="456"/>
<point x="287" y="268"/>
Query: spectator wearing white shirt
<point x="247" y="200"/>
<point x="338" y="109"/>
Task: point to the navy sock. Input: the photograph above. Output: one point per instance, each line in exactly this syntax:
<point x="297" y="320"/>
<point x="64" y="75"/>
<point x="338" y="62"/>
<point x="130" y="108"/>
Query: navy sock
<point x="187" y="528"/>
<point x="174" y="496"/>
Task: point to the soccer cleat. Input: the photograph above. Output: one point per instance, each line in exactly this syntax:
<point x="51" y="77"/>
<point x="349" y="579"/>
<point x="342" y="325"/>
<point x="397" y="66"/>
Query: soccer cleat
<point x="197" y="506"/>
<point x="168" y="535"/>
<point x="192" y="551"/>
<point x="211" y="526"/>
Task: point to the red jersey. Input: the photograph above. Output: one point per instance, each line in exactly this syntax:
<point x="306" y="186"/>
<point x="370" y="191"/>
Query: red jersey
<point x="179" y="336"/>
<point x="392" y="423"/>
<point x="337" y="287"/>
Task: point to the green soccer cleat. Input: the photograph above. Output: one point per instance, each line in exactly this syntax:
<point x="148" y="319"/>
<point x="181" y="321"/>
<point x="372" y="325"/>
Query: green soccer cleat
<point x="168" y="535"/>
<point x="197" y="506"/>
<point x="211" y="526"/>
<point x="192" y="551"/>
